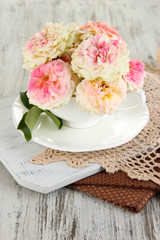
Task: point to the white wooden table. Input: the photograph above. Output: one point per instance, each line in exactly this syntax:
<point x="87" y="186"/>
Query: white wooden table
<point x="68" y="214"/>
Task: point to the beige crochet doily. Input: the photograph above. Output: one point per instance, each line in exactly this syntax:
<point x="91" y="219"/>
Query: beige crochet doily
<point x="138" y="158"/>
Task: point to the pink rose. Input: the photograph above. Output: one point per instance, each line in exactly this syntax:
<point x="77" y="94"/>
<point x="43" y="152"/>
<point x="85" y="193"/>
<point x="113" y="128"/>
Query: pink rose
<point x="102" y="28"/>
<point x="50" y="85"/>
<point x="100" y="97"/>
<point x="135" y="78"/>
<point x="100" y="51"/>
<point x="100" y="57"/>
<point x="44" y="46"/>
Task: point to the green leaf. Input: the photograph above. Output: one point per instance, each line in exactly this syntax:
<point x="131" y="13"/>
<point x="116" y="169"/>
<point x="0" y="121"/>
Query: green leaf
<point x="24" y="128"/>
<point x="56" y="120"/>
<point x="25" y="100"/>
<point x="32" y="117"/>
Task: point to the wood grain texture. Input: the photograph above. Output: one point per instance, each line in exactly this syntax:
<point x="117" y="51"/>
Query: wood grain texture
<point x="68" y="214"/>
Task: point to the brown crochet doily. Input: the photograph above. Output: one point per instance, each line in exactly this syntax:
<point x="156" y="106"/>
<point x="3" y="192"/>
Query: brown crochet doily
<point x="138" y="158"/>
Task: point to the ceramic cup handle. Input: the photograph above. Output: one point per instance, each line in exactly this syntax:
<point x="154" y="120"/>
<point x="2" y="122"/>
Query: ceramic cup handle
<point x="140" y="101"/>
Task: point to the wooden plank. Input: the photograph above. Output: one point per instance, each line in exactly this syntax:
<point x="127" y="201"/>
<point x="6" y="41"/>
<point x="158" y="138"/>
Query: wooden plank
<point x="68" y="214"/>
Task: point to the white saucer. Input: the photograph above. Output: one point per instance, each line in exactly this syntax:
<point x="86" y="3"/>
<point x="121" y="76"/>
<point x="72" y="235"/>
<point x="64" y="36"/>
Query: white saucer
<point x="111" y="131"/>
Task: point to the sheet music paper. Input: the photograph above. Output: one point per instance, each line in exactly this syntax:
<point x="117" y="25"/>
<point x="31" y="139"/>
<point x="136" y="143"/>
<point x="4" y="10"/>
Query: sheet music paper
<point x="15" y="153"/>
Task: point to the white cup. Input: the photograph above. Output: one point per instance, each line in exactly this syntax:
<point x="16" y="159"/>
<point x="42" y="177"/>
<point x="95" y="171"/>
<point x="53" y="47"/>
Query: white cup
<point x="75" y="117"/>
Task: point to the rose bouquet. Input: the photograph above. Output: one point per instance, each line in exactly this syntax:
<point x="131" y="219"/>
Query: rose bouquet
<point x="89" y="61"/>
